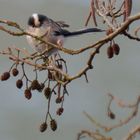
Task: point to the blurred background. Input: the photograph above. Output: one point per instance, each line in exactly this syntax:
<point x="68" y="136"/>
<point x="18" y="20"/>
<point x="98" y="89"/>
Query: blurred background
<point x="20" y="119"/>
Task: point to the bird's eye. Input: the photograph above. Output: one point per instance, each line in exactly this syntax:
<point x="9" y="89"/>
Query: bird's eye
<point x="31" y="22"/>
<point x="41" y="19"/>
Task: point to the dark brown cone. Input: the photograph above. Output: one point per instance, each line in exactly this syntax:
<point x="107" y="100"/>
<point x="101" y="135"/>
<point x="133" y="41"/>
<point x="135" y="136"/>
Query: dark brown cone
<point x="47" y="92"/>
<point x="40" y="87"/>
<point x="35" y="85"/>
<point x="110" y="52"/>
<point x="5" y="76"/>
<point x="27" y="94"/>
<point x="116" y="48"/>
<point x="111" y="115"/>
<point x="15" y="72"/>
<point x="43" y="127"/>
<point x="59" y="111"/>
<point x="58" y="100"/>
<point x="53" y="125"/>
<point x="19" y="83"/>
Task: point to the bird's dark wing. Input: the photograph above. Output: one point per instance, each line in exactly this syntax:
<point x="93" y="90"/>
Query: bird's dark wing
<point x="62" y="32"/>
<point x="62" y="24"/>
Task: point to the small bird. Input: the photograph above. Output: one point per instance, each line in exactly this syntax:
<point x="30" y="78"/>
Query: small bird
<point x="50" y="31"/>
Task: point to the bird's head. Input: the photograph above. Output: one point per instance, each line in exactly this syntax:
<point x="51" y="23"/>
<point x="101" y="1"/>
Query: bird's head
<point x="36" y="20"/>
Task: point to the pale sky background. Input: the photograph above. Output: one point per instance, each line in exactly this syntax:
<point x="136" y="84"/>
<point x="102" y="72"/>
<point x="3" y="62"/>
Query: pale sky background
<point x="20" y="119"/>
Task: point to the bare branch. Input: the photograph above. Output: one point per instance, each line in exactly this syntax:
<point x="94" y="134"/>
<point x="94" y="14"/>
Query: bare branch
<point x="132" y="133"/>
<point x="121" y="122"/>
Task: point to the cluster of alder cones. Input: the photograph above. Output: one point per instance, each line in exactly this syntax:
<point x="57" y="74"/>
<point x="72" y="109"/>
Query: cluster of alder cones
<point x="40" y="87"/>
<point x="113" y="47"/>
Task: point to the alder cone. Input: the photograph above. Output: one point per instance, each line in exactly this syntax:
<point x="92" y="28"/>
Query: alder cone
<point x="53" y="125"/>
<point x="43" y="127"/>
<point x="35" y="85"/>
<point x="19" y="83"/>
<point x="27" y="94"/>
<point x="5" y="76"/>
<point x="60" y="111"/>
<point x="116" y="49"/>
<point x="47" y="92"/>
<point x="58" y="100"/>
<point x="15" y="72"/>
<point x="111" y="115"/>
<point x="110" y="52"/>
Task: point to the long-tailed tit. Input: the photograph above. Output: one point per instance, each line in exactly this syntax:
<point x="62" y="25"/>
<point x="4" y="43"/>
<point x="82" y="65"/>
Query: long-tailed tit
<point x="50" y="31"/>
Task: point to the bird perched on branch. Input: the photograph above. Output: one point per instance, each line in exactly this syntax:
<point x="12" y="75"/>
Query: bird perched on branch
<point x="50" y="31"/>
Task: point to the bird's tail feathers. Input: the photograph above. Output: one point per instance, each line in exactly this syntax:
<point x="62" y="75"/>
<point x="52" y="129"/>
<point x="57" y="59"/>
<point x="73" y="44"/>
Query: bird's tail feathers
<point x="66" y="33"/>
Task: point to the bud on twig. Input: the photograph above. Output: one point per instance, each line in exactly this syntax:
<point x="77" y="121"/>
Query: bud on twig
<point x="109" y="31"/>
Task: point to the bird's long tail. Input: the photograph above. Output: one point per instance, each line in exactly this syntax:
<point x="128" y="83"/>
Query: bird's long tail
<point x="67" y="33"/>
